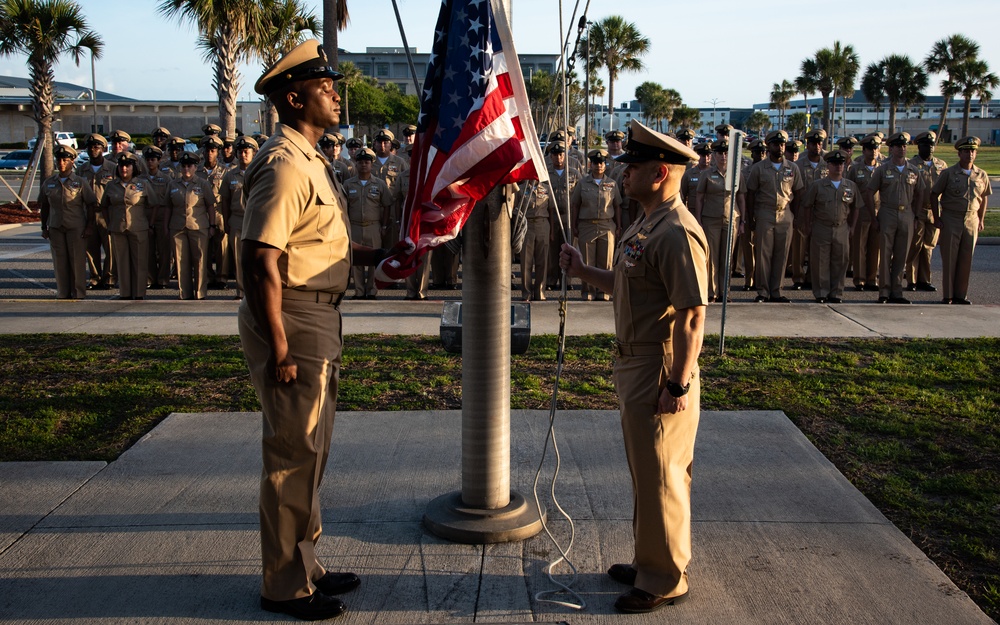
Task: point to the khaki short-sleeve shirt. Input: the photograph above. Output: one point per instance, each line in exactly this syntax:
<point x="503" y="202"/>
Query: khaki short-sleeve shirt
<point x="127" y="205"/>
<point x="596" y="201"/>
<point x="366" y="203"/>
<point x="661" y="266"/>
<point x="191" y="204"/>
<point x="961" y="192"/>
<point x="540" y="202"/>
<point x="773" y="188"/>
<point x="295" y="204"/>
<point x="559" y="185"/>
<point x="716" y="201"/>
<point x="231" y="193"/>
<point x="811" y="174"/>
<point x="67" y="200"/>
<point x="98" y="179"/>
<point x="897" y="189"/>
<point x="829" y="205"/>
<point x="860" y="175"/>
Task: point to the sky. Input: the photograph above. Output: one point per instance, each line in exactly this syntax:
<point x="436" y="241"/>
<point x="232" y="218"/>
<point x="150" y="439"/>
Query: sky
<point x="728" y="51"/>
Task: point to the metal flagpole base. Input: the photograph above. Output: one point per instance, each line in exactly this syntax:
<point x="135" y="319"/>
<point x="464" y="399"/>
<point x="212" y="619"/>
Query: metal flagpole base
<point x="448" y="517"/>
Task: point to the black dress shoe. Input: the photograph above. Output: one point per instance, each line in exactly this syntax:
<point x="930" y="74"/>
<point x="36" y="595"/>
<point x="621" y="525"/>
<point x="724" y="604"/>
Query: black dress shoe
<point x="834" y="300"/>
<point x="155" y="287"/>
<point x="898" y="300"/>
<point x="638" y="601"/>
<point x="883" y="299"/>
<point x="871" y="287"/>
<point x="337" y="583"/>
<point x="738" y="274"/>
<point x="437" y="287"/>
<point x="760" y="298"/>
<point x="797" y="286"/>
<point x="912" y="287"/>
<point x="946" y="300"/>
<point x="850" y="273"/>
<point x="779" y="299"/>
<point x="927" y="287"/>
<point x="820" y="300"/>
<point x="315" y="607"/>
<point x="960" y="300"/>
<point x="623" y="574"/>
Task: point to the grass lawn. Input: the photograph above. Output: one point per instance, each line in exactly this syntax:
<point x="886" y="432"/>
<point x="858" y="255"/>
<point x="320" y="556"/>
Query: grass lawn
<point x="914" y="424"/>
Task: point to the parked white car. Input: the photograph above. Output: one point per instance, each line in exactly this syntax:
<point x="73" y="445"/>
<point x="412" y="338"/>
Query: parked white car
<point x="60" y="138"/>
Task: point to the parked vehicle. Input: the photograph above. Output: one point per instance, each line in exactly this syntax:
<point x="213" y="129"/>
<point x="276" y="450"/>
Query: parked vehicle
<point x="60" y="138"/>
<point x="18" y="159"/>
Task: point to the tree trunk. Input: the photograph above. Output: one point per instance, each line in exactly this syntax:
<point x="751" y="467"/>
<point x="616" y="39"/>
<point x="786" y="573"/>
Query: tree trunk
<point x="892" y="118"/>
<point x="826" y="111"/>
<point x="966" y="113"/>
<point x="942" y="119"/>
<point x="330" y="37"/>
<point x="611" y="101"/>
<point x="227" y="81"/>
<point x="43" y="102"/>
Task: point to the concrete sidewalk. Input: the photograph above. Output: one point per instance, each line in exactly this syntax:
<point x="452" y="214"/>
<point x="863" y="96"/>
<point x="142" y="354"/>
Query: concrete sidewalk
<point x="401" y="317"/>
<point x="167" y="533"/>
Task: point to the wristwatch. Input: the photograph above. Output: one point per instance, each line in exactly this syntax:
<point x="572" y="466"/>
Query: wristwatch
<point x="676" y="390"/>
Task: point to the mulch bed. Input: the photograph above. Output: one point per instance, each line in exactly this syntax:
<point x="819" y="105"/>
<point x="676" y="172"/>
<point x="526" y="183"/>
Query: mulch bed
<point x="14" y="213"/>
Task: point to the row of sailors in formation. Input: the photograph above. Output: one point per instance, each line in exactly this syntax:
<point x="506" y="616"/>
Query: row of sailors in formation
<point x="822" y="216"/>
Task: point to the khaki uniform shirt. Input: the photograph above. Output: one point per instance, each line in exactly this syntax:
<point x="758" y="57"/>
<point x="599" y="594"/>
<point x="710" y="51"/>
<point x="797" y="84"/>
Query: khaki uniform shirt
<point x="716" y="200"/>
<point x="125" y="205"/>
<point x="960" y="192"/>
<point x="860" y="175"/>
<point x="897" y="189"/>
<point x="689" y="182"/>
<point x="596" y="201"/>
<point x="661" y="266"/>
<point x="295" y="204"/>
<point x="559" y="186"/>
<point x="67" y="201"/>
<point x="214" y="176"/>
<point x="540" y="203"/>
<point x="829" y="205"/>
<point x="191" y="204"/>
<point x="369" y="203"/>
<point x="930" y="175"/>
<point x="773" y="189"/>
<point x="811" y="174"/>
<point x="343" y="169"/>
<point x="231" y="193"/>
<point x="389" y="170"/>
<point x="97" y="179"/>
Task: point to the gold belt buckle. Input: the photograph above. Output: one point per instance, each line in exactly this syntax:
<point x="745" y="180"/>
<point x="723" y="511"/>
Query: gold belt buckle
<point x="902" y="207"/>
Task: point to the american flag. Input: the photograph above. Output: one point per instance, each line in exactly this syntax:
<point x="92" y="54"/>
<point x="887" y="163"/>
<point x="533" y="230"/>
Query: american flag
<point x="474" y="131"/>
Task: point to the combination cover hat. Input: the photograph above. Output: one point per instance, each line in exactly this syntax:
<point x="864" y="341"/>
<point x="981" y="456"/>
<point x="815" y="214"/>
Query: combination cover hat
<point x="720" y="145"/>
<point x="246" y="142"/>
<point x="835" y="158"/>
<point x="98" y="139"/>
<point x="685" y="134"/>
<point x="847" y="142"/>
<point x="898" y="138"/>
<point x="645" y="144"/>
<point x="65" y="151"/>
<point x="305" y="62"/>
<point x="817" y="135"/>
<point x="385" y="134"/>
<point x="598" y="156"/>
<point x="726" y="128"/>
<point x="151" y="151"/>
<point x="365" y="154"/>
<point x="120" y="135"/>
<point x="776" y="136"/>
<point x="211" y="129"/>
<point x="161" y="132"/>
<point x="927" y="136"/>
<point x="615" y="135"/>
<point x="126" y="158"/>
<point x="211" y="141"/>
<point x="968" y="143"/>
<point x="189" y="158"/>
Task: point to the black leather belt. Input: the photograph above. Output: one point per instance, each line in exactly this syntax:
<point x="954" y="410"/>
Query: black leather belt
<point x="320" y="297"/>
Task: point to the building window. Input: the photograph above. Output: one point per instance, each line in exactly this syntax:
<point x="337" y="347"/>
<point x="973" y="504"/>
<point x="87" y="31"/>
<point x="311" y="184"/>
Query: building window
<point x="545" y="67"/>
<point x="365" y="68"/>
<point x="382" y="70"/>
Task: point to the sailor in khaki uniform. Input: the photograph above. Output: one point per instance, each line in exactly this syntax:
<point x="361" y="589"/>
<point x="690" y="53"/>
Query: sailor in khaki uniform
<point x="774" y="188"/>
<point x="560" y="175"/>
<point x="330" y="144"/>
<point x="369" y="204"/>
<point x="232" y="202"/>
<point x="925" y="230"/>
<point x="127" y="201"/>
<point x="121" y="143"/>
<point x="846" y="146"/>
<point x="191" y="202"/>
<point x="98" y="172"/>
<point x="388" y="166"/>
<point x="693" y="175"/>
<point x="686" y="137"/>
<point x="744" y="248"/>
<point x="829" y="212"/>
<point x="160" y="244"/>
<point x="67" y="205"/>
<point x="813" y="169"/>
<point x="900" y="188"/>
<point x="596" y="216"/>
<point x="712" y="210"/>
<point x="539" y="235"/>
<point x="213" y="170"/>
<point x="864" y="238"/>
<point x="297" y="254"/>
<point x="171" y="165"/>
<point x="793" y="148"/>
<point x="660" y="285"/>
<point x="959" y="199"/>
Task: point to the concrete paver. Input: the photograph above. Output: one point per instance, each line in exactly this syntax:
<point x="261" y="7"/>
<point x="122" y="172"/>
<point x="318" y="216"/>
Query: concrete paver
<point x="167" y="533"/>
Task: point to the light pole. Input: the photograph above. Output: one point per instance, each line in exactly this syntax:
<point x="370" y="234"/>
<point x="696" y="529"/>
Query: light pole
<point x="93" y="90"/>
<point x="714" y="102"/>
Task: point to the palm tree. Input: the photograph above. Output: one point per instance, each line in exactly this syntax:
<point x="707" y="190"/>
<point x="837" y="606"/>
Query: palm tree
<point x="847" y="74"/>
<point x="835" y="69"/>
<point x="905" y="82"/>
<point x="286" y="23"/>
<point x="758" y="120"/>
<point x="796" y="125"/>
<point x="335" y="19"/>
<point x="615" y="45"/>
<point x="945" y="57"/>
<point x="225" y="26"/>
<point x="974" y="80"/>
<point x="873" y="86"/>
<point x="352" y="76"/>
<point x="781" y="97"/>
<point x="44" y="30"/>
<point x="685" y="117"/>
<point x="806" y="83"/>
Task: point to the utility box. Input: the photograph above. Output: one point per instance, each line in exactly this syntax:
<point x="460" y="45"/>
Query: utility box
<point x="520" y="327"/>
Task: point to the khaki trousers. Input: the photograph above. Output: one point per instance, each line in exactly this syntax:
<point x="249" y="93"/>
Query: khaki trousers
<point x="218" y="261"/>
<point x="364" y="277"/>
<point x="828" y="255"/>
<point x="660" y="452"/>
<point x="959" y="233"/>
<point x="101" y="271"/>
<point x="161" y="248"/>
<point x="535" y="258"/>
<point x="745" y="255"/>
<point x="918" y="259"/>
<point x="236" y="244"/>
<point x="416" y="282"/>
<point x="132" y="259"/>
<point x="800" y="250"/>
<point x="715" y="232"/>
<point x="69" y="259"/>
<point x="772" y="240"/>
<point x="295" y="444"/>
<point x="864" y="254"/>
<point x="191" y="253"/>
<point x="895" y="233"/>
<point x="597" y="246"/>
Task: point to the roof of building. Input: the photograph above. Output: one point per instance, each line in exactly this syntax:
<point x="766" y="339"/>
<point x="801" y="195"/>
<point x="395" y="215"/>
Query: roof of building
<point x="16" y="90"/>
